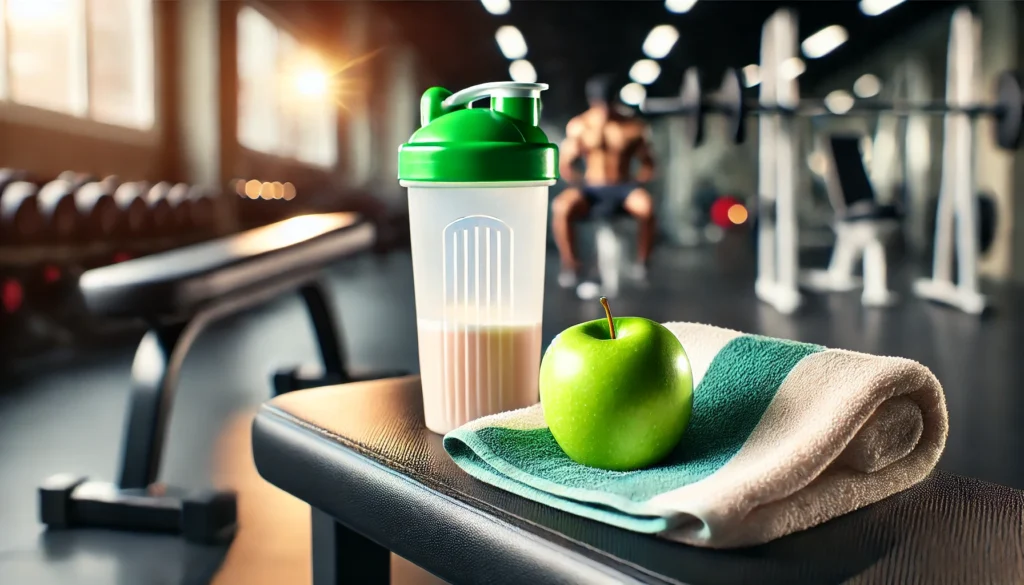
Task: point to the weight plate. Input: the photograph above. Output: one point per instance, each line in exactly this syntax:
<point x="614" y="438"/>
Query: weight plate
<point x="730" y="97"/>
<point x="1010" y="111"/>
<point x="692" y="102"/>
<point x="987" y="221"/>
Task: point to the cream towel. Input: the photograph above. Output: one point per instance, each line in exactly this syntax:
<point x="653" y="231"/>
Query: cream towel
<point x="784" y="436"/>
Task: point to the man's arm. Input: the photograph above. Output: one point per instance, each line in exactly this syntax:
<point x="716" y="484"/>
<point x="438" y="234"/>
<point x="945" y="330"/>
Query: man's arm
<point x="645" y="154"/>
<point x="570" y="151"/>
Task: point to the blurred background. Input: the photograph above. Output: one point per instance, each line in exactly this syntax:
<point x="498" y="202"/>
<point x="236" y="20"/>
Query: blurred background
<point x="131" y="127"/>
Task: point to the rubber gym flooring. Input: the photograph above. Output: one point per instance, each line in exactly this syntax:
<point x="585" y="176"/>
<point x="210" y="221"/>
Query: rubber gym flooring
<point x="67" y="417"/>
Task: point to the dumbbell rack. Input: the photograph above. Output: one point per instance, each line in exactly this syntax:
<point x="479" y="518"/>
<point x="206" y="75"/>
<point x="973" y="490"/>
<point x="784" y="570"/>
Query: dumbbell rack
<point x="49" y="235"/>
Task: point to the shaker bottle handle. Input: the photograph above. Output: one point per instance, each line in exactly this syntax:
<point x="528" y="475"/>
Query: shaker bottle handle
<point x="497" y="89"/>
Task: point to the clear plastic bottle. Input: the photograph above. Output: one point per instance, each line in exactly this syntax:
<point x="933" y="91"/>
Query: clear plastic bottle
<point x="478" y="195"/>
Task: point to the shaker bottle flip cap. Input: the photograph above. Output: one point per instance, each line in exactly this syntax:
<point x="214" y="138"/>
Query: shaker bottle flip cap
<point x="502" y="143"/>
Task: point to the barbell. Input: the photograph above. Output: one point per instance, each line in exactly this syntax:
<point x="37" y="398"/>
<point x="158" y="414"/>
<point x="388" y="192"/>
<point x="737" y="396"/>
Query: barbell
<point x="694" y="104"/>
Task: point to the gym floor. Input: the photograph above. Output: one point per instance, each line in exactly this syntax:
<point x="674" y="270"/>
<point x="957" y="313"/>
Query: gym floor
<point x="67" y="418"/>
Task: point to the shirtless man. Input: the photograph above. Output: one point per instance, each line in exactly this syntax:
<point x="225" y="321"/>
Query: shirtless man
<point x="608" y="142"/>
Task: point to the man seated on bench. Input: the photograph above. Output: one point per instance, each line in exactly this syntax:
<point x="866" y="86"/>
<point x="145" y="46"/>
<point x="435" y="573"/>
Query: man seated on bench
<point x="608" y="141"/>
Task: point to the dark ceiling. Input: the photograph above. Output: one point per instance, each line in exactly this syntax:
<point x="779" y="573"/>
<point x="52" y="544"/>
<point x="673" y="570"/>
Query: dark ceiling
<point x="570" y="40"/>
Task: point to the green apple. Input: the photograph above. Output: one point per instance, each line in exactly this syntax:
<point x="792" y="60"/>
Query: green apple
<point x="617" y="393"/>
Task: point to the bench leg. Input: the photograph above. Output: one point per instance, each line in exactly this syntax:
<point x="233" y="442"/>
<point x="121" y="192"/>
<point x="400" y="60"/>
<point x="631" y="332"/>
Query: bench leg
<point x="876" y="288"/>
<point x="329" y="341"/>
<point x="341" y="556"/>
<point x="137" y="502"/>
<point x="323" y="316"/>
<point x="154" y="380"/>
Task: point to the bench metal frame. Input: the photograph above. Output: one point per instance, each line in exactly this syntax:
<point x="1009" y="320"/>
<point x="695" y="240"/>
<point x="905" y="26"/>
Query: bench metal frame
<point x="137" y="501"/>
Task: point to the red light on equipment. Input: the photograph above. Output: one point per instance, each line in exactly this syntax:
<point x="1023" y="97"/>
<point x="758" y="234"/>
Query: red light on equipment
<point x="122" y="257"/>
<point x="51" y="274"/>
<point x="11" y="296"/>
<point x="720" y="211"/>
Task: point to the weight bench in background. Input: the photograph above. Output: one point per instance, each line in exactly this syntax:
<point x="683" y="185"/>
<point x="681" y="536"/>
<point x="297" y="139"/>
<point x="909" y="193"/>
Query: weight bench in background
<point x="862" y="227"/>
<point x="178" y="293"/>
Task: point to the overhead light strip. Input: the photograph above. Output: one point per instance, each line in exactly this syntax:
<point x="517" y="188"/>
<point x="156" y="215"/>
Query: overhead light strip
<point x="511" y="42"/>
<point x="497" y="7"/>
<point x="876" y="7"/>
<point x="522" y="71"/>
<point x="645" y="71"/>
<point x="824" y="41"/>
<point x="660" y="40"/>
<point x="679" y="6"/>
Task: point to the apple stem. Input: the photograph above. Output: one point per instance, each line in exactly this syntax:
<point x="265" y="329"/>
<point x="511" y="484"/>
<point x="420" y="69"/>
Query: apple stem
<point x="608" y="314"/>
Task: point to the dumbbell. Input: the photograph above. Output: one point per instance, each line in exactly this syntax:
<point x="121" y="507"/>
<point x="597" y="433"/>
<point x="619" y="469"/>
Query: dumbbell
<point x="20" y="219"/>
<point x="58" y="208"/>
<point x="161" y="212"/>
<point x="181" y="207"/>
<point x="203" y="208"/>
<point x="8" y="176"/>
<point x="95" y="203"/>
<point x="135" y="224"/>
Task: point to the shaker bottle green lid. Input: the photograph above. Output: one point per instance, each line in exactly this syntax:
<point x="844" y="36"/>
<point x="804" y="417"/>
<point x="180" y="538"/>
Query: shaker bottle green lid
<point x="458" y="144"/>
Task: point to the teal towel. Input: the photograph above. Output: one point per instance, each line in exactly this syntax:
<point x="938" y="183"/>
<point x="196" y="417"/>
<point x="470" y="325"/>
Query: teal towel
<point x="784" y="436"/>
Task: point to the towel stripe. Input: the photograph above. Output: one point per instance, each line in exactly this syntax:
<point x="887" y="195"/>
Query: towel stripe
<point x="722" y="420"/>
<point x="702" y="343"/>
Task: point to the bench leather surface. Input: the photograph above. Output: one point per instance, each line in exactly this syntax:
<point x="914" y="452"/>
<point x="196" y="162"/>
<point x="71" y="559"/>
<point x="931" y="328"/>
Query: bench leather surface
<point x="180" y="280"/>
<point x="361" y="453"/>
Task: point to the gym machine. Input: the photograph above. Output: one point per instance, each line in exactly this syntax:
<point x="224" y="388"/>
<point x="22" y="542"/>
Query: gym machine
<point x="778" y="108"/>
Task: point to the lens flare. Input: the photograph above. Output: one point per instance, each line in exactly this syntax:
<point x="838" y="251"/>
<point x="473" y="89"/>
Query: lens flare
<point x="312" y="83"/>
<point x="737" y="214"/>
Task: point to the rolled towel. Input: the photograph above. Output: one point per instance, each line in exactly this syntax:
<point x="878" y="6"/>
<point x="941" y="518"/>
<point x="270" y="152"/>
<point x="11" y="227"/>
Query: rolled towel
<point x="784" y="436"/>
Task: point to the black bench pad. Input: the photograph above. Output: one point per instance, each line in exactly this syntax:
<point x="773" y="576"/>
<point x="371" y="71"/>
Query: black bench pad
<point x="360" y="453"/>
<point x="180" y="281"/>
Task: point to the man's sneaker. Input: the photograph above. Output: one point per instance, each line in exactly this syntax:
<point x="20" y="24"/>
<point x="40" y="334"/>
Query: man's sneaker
<point x="637" y="272"/>
<point x="567" y="278"/>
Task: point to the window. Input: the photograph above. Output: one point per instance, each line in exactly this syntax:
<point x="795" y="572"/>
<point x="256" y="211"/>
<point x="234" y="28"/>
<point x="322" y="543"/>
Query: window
<point x="285" y="103"/>
<point x="87" y="58"/>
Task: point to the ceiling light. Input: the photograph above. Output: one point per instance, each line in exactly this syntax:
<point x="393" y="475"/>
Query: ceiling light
<point x="866" y="86"/>
<point x="679" y="6"/>
<point x="824" y="41"/>
<point x="751" y="75"/>
<point x="511" y="42"/>
<point x="660" y="40"/>
<point x="633" y="94"/>
<point x="496" y="7"/>
<point x="792" y="68"/>
<point x="839" y="101"/>
<point x="876" y="7"/>
<point x="522" y="71"/>
<point x="645" y="71"/>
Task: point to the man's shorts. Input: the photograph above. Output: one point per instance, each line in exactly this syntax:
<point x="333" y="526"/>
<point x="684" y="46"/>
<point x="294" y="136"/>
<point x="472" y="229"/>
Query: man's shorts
<point x="607" y="200"/>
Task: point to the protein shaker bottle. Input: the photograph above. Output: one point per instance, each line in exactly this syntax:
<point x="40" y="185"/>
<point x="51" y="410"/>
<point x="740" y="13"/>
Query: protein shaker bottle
<point x="478" y="183"/>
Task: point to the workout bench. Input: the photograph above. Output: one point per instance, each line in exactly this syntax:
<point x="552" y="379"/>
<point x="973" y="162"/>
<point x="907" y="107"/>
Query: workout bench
<point x="178" y="293"/>
<point x="862" y="227"/>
